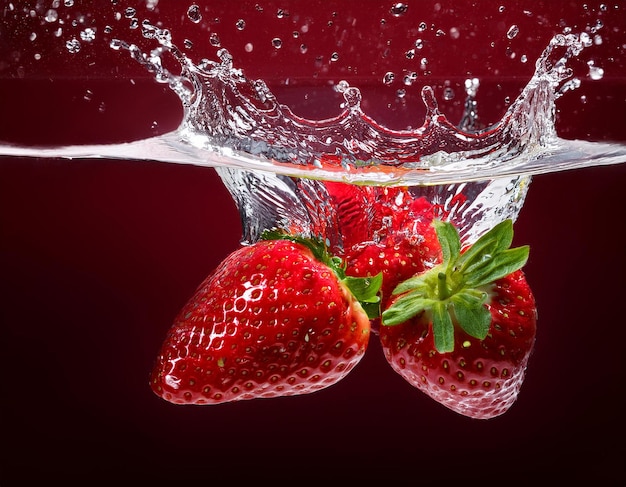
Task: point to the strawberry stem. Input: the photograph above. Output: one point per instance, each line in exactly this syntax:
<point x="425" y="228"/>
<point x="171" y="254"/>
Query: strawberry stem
<point x="442" y="288"/>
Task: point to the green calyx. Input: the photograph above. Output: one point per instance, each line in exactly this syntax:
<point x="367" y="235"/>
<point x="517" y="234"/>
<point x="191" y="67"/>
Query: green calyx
<point x="455" y="292"/>
<point x="365" y="289"/>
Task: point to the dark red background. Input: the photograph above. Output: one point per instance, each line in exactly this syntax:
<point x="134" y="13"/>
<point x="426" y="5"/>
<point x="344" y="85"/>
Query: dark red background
<point x="97" y="257"/>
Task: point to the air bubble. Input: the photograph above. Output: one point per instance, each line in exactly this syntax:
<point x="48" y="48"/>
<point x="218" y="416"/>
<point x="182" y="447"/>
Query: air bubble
<point x="51" y="16"/>
<point x="523" y="58"/>
<point x="194" y="14"/>
<point x="303" y="48"/>
<point x="248" y="47"/>
<point x="398" y="9"/>
<point x="388" y="78"/>
<point x="448" y="94"/>
<point x="68" y="3"/>
<point x="32" y="36"/>
<point x="455" y="33"/>
<point x="401" y="93"/>
<point x="277" y="43"/>
<point x="151" y="4"/>
<point x="513" y="31"/>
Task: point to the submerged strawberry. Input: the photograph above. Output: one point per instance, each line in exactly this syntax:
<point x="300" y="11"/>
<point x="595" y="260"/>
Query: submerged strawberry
<point x="462" y="332"/>
<point x="276" y="318"/>
<point x="408" y="247"/>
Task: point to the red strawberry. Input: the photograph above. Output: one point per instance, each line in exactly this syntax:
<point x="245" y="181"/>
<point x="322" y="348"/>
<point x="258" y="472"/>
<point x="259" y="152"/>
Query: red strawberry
<point x="462" y="332"/>
<point x="409" y="246"/>
<point x="276" y="318"/>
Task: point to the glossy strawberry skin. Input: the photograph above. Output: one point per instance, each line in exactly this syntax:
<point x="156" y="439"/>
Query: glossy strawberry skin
<point x="407" y="246"/>
<point x="479" y="379"/>
<point x="270" y="321"/>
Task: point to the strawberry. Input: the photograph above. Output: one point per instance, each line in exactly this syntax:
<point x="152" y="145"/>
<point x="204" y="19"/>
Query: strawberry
<point x="276" y="318"/>
<point x="462" y="331"/>
<point x="407" y="245"/>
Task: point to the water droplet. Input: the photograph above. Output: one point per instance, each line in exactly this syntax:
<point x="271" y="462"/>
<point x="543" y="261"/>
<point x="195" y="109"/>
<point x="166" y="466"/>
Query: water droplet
<point x="597" y="39"/>
<point x="448" y="94"/>
<point x="595" y="73"/>
<point x="523" y="58"/>
<point x="409" y="78"/>
<point x="130" y="12"/>
<point x="440" y="33"/>
<point x="410" y="54"/>
<point x="455" y="33"/>
<point x="68" y="3"/>
<point x="419" y="44"/>
<point x="151" y="4"/>
<point x="249" y="47"/>
<point x="214" y="39"/>
<point x="401" y="93"/>
<point x="513" y="31"/>
<point x="88" y="95"/>
<point x="277" y="43"/>
<point x="194" y="14"/>
<point x="388" y="78"/>
<point x="73" y="45"/>
<point x="471" y="86"/>
<point x="398" y="9"/>
<point x="281" y="13"/>
<point x="303" y="48"/>
<point x="51" y="16"/>
<point x="240" y="24"/>
<point x="102" y="107"/>
<point x="501" y="9"/>
<point x="583" y="99"/>
<point x="108" y="29"/>
<point x="88" y="34"/>
<point x="334" y="57"/>
<point x="134" y="23"/>
<point x="188" y="44"/>
<point x="422" y="27"/>
<point x="32" y="36"/>
<point x="342" y="86"/>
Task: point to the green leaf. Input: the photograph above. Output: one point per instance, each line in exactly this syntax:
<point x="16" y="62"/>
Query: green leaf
<point x="499" y="266"/>
<point x="405" y="308"/>
<point x="443" y="328"/>
<point x="372" y="310"/>
<point x="365" y="289"/>
<point x="471" y="314"/>
<point x="422" y="283"/>
<point x="449" y="240"/>
<point x="497" y="239"/>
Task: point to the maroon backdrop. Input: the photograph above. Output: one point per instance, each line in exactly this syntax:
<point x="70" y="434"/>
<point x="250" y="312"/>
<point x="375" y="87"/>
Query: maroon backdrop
<point x="97" y="257"/>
